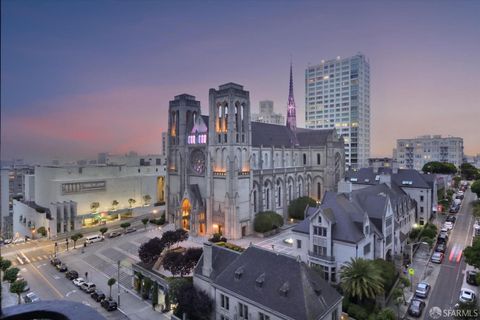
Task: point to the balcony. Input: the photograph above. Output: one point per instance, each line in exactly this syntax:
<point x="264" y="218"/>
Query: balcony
<point x="317" y="256"/>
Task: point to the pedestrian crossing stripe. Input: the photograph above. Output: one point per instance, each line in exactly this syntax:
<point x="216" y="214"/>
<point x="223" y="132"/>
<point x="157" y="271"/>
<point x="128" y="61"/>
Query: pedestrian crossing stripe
<point x="33" y="259"/>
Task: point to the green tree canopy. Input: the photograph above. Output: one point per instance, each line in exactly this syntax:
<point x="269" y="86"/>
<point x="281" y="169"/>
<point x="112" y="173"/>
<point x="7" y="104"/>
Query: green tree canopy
<point x="103" y="230"/>
<point x="5" y="264"/>
<point x="472" y="253"/>
<point x="110" y="283"/>
<point x="439" y="167"/>
<point x="476" y="187"/>
<point x="125" y="225"/>
<point x="11" y="274"/>
<point x="360" y="279"/>
<point x="266" y="221"/>
<point x="75" y="238"/>
<point x="145" y="222"/>
<point x="469" y="172"/>
<point x="18" y="287"/>
<point x="296" y="208"/>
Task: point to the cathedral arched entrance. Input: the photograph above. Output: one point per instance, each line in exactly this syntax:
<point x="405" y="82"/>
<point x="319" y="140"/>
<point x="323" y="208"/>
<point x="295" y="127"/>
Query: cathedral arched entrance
<point x="186" y="212"/>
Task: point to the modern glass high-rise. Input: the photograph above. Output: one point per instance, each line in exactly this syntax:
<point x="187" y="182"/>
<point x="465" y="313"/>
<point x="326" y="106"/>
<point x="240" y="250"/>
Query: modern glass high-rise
<point x="337" y="95"/>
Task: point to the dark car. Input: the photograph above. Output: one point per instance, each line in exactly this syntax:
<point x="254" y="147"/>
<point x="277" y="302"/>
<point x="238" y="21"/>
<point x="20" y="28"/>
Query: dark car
<point x="55" y="261"/>
<point x="109" y="305"/>
<point x="72" y="274"/>
<point x="454" y="209"/>
<point x="130" y="230"/>
<point x="114" y="234"/>
<point x="441" y="247"/>
<point x="62" y="267"/>
<point x="442" y="238"/>
<point x="98" y="295"/>
<point x="472" y="277"/>
<point x="451" y="218"/>
<point x="416" y="307"/>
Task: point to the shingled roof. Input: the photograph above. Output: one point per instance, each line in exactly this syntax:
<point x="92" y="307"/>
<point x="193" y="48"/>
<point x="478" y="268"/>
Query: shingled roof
<point x="403" y="178"/>
<point x="287" y="286"/>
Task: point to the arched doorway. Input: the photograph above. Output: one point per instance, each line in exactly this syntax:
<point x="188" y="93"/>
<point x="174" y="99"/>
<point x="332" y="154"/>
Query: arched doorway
<point x="186" y="210"/>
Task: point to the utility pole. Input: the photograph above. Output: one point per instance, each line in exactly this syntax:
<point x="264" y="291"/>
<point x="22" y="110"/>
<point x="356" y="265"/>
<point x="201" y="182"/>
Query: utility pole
<point x="118" y="283"/>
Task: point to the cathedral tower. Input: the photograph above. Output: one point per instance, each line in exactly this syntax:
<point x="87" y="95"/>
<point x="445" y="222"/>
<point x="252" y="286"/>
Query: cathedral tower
<point x="291" y="111"/>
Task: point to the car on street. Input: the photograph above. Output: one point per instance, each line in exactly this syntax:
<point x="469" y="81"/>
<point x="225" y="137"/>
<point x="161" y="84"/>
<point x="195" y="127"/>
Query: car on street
<point x="467" y="295"/>
<point x="422" y="290"/>
<point x="114" y="234"/>
<point x="62" y="267"/>
<point x="471" y="277"/>
<point x="98" y="295"/>
<point x="55" y="261"/>
<point x="130" y="230"/>
<point x="7" y="241"/>
<point x="441" y="247"/>
<point x="444" y="231"/>
<point x="109" y="305"/>
<point x="88" y="287"/>
<point x="19" y="240"/>
<point x="454" y="208"/>
<point x="94" y="238"/>
<point x="31" y="297"/>
<point x="451" y="218"/>
<point x="415" y="309"/>
<point x="72" y="274"/>
<point x="448" y="225"/>
<point x="78" y="282"/>
<point x="437" y="257"/>
<point x="442" y="238"/>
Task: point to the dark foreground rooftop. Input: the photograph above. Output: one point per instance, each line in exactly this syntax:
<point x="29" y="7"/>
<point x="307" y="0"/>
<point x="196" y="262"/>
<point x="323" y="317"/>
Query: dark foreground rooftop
<point x="53" y="309"/>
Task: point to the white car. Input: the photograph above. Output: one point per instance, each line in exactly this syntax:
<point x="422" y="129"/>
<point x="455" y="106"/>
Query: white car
<point x="467" y="295"/>
<point x="31" y="297"/>
<point x="448" y="225"/>
<point x="78" y="282"/>
<point x="19" y="240"/>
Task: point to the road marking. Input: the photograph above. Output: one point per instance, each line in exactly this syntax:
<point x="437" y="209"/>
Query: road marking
<point x="60" y="295"/>
<point x="70" y="292"/>
<point x="56" y="277"/>
<point x="19" y="260"/>
<point x="25" y="257"/>
<point x="86" y="303"/>
<point x="34" y="259"/>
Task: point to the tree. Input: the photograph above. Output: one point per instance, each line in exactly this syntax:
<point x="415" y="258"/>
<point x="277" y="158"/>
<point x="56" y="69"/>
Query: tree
<point x="476" y="187"/>
<point x="11" y="274"/>
<point x="297" y="207"/>
<point x="361" y="280"/>
<point x="266" y="221"/>
<point x="155" y="294"/>
<point x="114" y="204"/>
<point x="42" y="231"/>
<point x="439" y="167"/>
<point x="175" y="286"/>
<point x="467" y="311"/>
<point x="147" y="199"/>
<point x="131" y="202"/>
<point x="145" y="222"/>
<point x="388" y="273"/>
<point x="125" y="225"/>
<point x="103" y="230"/>
<point x="94" y="206"/>
<point x="150" y="251"/>
<point x="18" y="287"/>
<point x="386" y="314"/>
<point x="469" y="172"/>
<point x="194" y="304"/>
<point x="172" y="262"/>
<point x="170" y="238"/>
<point x="472" y="253"/>
<point x="110" y="283"/>
<point x="4" y="265"/>
<point x="456" y="181"/>
<point x="75" y="238"/>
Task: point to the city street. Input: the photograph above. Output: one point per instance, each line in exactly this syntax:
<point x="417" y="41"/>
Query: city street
<point x="451" y="276"/>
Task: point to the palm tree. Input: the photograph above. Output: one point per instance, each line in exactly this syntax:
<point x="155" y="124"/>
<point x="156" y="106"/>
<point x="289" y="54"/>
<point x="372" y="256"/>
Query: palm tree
<point x="18" y="287"/>
<point x="361" y="280"/>
<point x="110" y="283"/>
<point x="114" y="204"/>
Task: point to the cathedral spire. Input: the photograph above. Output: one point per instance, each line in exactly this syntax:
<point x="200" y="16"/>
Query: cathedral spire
<point x="291" y="110"/>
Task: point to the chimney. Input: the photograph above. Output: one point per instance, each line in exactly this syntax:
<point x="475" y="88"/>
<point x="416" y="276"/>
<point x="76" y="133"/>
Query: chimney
<point x="344" y="186"/>
<point x="385" y="178"/>
<point x="207" y="259"/>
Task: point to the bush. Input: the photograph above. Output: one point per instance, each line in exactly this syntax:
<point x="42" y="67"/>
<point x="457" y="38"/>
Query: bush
<point x="217" y="237"/>
<point x="230" y="246"/>
<point x="414" y="233"/>
<point x="429" y="231"/>
<point x="388" y="272"/>
<point x="266" y="221"/>
<point x="42" y="231"/>
<point x="357" y="312"/>
<point x="296" y="208"/>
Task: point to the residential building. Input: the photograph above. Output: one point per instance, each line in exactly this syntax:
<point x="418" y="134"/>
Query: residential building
<point x="380" y="162"/>
<point x="337" y="95"/>
<point x="225" y="168"/>
<point x="267" y="114"/>
<point x="261" y="284"/>
<point x="414" y="153"/>
<point x="61" y="198"/>
<point x="420" y="187"/>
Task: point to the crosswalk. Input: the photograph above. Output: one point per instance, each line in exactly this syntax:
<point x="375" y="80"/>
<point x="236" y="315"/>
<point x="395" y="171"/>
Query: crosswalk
<point x="22" y="261"/>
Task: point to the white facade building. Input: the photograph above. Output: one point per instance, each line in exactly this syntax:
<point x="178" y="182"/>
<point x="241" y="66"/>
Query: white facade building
<point x="267" y="114"/>
<point x="414" y="153"/>
<point x="337" y="95"/>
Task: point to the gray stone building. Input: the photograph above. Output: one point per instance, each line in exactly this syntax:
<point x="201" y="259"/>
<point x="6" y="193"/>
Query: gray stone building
<point x="224" y="168"/>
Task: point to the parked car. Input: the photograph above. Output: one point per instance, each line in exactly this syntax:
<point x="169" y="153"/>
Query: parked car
<point x="78" y="282"/>
<point x="454" y="208"/>
<point x="62" y="267"/>
<point x="31" y="297"/>
<point x="441" y="247"/>
<point x="93" y="238"/>
<point x="437" y="257"/>
<point x="472" y="277"/>
<point x="7" y="241"/>
<point x="423" y="288"/>
<point x="55" y="261"/>
<point x="26" y="288"/>
<point x="98" y="295"/>
<point x="114" y="234"/>
<point x="109" y="305"/>
<point x="416" y="307"/>
<point x="72" y="274"/>
<point x="467" y="295"/>
<point x="19" y="240"/>
<point x="451" y="218"/>
<point x="444" y="231"/>
<point x="442" y="238"/>
<point x="88" y="287"/>
<point x="448" y="225"/>
<point x="130" y="230"/>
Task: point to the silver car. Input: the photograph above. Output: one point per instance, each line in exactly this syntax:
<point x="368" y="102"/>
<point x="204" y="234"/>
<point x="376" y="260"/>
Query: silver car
<point x="423" y="288"/>
<point x="437" y="257"/>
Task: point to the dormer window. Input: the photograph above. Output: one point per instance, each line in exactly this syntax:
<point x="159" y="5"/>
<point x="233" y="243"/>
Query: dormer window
<point x="239" y="273"/>
<point x="260" y="280"/>
<point x="367" y="229"/>
<point x="284" y="289"/>
<point x="320" y="219"/>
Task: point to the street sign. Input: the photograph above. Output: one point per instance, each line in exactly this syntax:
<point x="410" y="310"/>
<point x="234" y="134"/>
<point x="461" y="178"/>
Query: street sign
<point x="411" y="271"/>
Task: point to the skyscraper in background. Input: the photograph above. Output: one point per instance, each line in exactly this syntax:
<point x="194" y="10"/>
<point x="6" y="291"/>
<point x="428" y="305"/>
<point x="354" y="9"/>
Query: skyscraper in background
<point x="337" y="95"/>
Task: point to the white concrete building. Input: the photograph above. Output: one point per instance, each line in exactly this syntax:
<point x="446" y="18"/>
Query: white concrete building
<point x="267" y="114"/>
<point x="60" y="198"/>
<point x="414" y="153"/>
<point x="337" y="95"/>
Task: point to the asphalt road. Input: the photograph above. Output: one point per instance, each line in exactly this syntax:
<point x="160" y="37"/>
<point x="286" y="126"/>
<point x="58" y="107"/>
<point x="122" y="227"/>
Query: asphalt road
<point x="451" y="277"/>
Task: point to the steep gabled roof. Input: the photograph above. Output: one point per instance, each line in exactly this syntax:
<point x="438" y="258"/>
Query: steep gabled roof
<point x="221" y="258"/>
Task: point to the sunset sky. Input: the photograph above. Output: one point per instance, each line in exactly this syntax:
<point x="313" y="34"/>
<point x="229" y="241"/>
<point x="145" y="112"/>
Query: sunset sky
<point x="82" y="77"/>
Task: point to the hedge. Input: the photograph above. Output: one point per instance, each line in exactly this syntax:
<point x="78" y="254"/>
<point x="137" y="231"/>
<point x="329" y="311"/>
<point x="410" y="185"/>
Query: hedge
<point x="296" y="208"/>
<point x="266" y="221"/>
